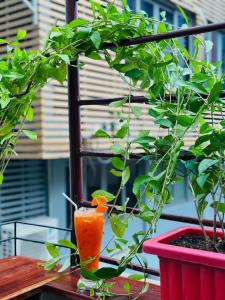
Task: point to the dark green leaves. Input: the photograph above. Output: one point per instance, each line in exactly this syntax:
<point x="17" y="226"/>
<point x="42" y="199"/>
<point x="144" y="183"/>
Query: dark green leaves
<point x="215" y="92"/>
<point x="134" y="74"/>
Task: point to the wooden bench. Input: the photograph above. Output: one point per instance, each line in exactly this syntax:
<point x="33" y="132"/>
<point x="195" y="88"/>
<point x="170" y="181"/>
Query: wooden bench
<point x="22" y="278"/>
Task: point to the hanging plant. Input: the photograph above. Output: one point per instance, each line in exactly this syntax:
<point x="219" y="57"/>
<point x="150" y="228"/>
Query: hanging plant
<point x="180" y="89"/>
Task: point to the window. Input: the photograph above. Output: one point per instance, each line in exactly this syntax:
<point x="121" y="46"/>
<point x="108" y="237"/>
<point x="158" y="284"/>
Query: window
<point x="24" y="192"/>
<point x="173" y="16"/>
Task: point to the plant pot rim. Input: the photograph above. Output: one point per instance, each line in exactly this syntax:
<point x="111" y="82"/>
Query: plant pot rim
<point x="159" y="246"/>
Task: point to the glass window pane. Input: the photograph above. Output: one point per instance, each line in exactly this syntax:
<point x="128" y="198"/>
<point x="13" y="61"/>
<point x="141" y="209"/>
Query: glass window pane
<point x="223" y="52"/>
<point x="131" y="4"/>
<point x="147" y="7"/>
<point x="169" y="16"/>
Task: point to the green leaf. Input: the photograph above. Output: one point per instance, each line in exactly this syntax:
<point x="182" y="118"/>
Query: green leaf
<point x="78" y="23"/>
<point x="205" y="164"/>
<point x="185" y="120"/>
<point x="1" y="178"/>
<point x="118" y="225"/>
<point x="147" y="216"/>
<point x="50" y="264"/>
<point x="29" y="114"/>
<point x="118" y="103"/>
<point x="54" y="34"/>
<point x="92" y="292"/>
<point x="164" y="122"/>
<point x="52" y="250"/>
<point x="109" y="197"/>
<point x="136" y="277"/>
<point x="122" y="132"/>
<point x="88" y="275"/>
<point x="138" y="182"/>
<point x="116" y="173"/>
<point x="67" y="244"/>
<point x="106" y="273"/>
<point x="94" y="55"/>
<point x="126" y="287"/>
<point x="65" y="265"/>
<point x="134" y="74"/>
<point x="96" y="39"/>
<point x="30" y="134"/>
<point x="101" y="133"/>
<point x="117" y="149"/>
<point x="219" y="206"/>
<point x="144" y="140"/>
<point x="215" y="92"/>
<point x="201" y="206"/>
<point x="136" y="110"/>
<point x="125" y="175"/>
<point x="21" y="34"/>
<point x="3" y="41"/>
<point x="201" y="180"/>
<point x="65" y="58"/>
<point x="124" y="3"/>
<point x="183" y="14"/>
<point x="117" y="163"/>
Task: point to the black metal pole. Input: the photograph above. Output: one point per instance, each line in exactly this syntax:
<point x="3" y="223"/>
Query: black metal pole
<point x="168" y="35"/>
<point x="15" y="239"/>
<point x="76" y="178"/>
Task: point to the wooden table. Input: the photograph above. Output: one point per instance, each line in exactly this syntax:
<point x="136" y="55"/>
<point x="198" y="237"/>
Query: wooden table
<point x="21" y="278"/>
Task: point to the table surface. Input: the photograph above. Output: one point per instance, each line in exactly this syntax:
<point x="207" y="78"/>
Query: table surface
<point x="21" y="276"/>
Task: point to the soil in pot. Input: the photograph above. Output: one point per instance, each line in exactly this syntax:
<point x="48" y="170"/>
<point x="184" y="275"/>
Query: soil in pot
<point x="198" y="242"/>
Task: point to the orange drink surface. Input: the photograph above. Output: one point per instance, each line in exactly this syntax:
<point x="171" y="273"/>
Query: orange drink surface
<point x="89" y="230"/>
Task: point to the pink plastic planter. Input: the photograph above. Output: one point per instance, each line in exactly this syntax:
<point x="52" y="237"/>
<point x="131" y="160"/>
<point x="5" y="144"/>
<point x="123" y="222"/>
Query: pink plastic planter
<point x="188" y="274"/>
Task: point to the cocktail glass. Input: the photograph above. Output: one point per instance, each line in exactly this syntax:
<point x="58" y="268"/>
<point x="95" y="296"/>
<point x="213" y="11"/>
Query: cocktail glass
<point x="89" y="231"/>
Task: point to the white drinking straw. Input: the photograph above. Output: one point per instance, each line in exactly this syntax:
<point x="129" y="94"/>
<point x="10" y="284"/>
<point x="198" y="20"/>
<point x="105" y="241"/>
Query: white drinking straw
<point x="70" y="200"/>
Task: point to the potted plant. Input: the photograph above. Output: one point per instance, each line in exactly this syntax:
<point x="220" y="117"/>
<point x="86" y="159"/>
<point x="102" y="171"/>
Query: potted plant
<point x="179" y="88"/>
<point x="197" y="254"/>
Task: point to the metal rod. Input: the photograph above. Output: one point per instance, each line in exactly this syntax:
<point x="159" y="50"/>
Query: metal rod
<point x="6" y="240"/>
<point x="164" y="216"/>
<point x="40" y="242"/>
<point x="184" y="155"/>
<point x="45" y="226"/>
<point x="15" y="247"/>
<point x="135" y="267"/>
<point x="134" y="99"/>
<point x="76" y="176"/>
<point x="168" y="35"/>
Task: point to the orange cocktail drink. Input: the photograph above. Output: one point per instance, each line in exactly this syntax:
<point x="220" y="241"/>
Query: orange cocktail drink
<point x="89" y="231"/>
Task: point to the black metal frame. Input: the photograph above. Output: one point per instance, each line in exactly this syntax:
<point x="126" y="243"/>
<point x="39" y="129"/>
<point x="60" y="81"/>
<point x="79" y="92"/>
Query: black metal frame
<point x="75" y="103"/>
